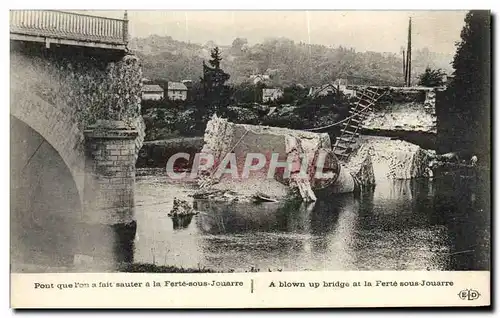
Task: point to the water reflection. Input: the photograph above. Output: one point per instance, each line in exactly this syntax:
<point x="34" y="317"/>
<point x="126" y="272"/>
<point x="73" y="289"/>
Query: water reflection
<point x="230" y="218"/>
<point x="396" y="231"/>
<point x="464" y="205"/>
<point x="321" y="235"/>
<point x="181" y="221"/>
<point x="399" y="225"/>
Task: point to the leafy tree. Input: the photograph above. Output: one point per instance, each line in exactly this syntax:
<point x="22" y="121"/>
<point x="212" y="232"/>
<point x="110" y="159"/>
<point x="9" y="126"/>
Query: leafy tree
<point x="214" y="77"/>
<point x="160" y="114"/>
<point x="238" y="44"/>
<point x="431" y="78"/>
<point x="215" y="54"/>
<point x="310" y="65"/>
<point x="247" y="93"/>
<point x="468" y="109"/>
<point x="213" y="81"/>
<point x="294" y="93"/>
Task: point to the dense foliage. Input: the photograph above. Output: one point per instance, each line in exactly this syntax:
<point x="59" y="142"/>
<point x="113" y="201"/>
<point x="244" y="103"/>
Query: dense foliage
<point x="213" y="81"/>
<point x="287" y="62"/>
<point x="92" y="89"/>
<point x="431" y="78"/>
<point x="469" y="107"/>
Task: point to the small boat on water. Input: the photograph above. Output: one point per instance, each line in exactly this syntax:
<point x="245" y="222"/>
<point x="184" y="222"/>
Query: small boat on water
<point x="262" y="197"/>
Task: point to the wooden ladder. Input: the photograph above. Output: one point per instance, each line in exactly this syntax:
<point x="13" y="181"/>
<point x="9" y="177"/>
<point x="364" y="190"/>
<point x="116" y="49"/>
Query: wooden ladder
<point x="351" y="126"/>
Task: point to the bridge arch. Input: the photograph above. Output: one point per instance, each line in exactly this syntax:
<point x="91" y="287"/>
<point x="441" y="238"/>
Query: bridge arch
<point x="56" y="126"/>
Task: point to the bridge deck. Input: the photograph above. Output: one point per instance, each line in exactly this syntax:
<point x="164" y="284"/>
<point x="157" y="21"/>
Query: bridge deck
<point x="53" y="26"/>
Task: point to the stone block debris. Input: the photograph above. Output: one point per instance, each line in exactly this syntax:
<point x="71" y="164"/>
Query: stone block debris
<point x="395" y="159"/>
<point x="292" y="162"/>
<point x="181" y="208"/>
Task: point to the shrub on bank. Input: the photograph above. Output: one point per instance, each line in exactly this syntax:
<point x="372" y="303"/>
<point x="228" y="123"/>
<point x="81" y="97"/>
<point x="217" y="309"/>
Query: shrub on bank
<point x="152" y="268"/>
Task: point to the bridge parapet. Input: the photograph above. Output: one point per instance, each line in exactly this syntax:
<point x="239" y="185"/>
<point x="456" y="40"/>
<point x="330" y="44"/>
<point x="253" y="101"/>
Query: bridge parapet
<point x="53" y="26"/>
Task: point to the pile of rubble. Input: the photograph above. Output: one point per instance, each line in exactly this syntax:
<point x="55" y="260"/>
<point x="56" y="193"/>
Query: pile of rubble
<point x="396" y="159"/>
<point x="375" y="160"/>
<point x="302" y="149"/>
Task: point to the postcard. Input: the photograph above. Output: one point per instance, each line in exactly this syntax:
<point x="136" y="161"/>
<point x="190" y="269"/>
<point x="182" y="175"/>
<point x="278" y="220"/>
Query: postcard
<point x="250" y="159"/>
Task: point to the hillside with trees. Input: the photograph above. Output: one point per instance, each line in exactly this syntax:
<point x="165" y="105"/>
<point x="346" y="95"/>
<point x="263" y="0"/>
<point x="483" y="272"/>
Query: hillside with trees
<point x="287" y="62"/>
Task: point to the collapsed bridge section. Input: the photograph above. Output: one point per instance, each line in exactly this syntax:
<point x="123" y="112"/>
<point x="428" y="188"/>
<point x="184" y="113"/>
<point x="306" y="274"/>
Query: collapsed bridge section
<point x="251" y="161"/>
<point x="292" y="161"/>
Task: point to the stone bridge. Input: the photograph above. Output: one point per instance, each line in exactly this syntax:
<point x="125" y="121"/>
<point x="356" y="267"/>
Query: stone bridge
<point x="76" y="131"/>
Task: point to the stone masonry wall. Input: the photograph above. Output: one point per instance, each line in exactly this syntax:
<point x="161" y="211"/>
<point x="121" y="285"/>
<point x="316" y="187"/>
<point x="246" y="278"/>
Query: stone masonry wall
<point x="111" y="175"/>
<point x="60" y="96"/>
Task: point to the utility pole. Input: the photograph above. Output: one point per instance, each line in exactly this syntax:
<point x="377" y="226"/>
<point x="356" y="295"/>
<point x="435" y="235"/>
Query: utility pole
<point x="404" y="65"/>
<point x="408" y="57"/>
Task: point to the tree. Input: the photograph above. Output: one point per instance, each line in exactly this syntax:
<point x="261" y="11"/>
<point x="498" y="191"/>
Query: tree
<point x="468" y="108"/>
<point x="247" y="93"/>
<point x="311" y="65"/>
<point x="238" y="44"/>
<point x="213" y="81"/>
<point x="431" y="78"/>
<point x="293" y="94"/>
<point x="216" y="57"/>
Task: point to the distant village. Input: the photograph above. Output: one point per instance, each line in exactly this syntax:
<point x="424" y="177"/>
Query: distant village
<point x="181" y="91"/>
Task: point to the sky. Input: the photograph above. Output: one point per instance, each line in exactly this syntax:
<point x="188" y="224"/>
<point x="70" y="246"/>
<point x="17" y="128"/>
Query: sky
<point x="381" y="31"/>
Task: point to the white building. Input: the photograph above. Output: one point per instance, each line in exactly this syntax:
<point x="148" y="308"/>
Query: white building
<point x="152" y="92"/>
<point x="259" y="78"/>
<point x="322" y="90"/>
<point x="177" y="91"/>
<point x="342" y="86"/>
<point x="271" y="94"/>
<point x="188" y="83"/>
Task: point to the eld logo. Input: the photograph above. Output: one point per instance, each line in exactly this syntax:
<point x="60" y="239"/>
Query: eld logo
<point x="469" y="294"/>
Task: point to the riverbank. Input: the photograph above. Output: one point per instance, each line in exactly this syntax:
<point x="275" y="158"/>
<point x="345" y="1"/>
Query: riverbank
<point x="152" y="268"/>
<point x="155" y="153"/>
<point x="124" y="268"/>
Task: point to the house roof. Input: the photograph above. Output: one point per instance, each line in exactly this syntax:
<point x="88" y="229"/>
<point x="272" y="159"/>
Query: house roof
<point x="324" y="87"/>
<point x="152" y="88"/>
<point x="260" y="78"/>
<point x="271" y="91"/>
<point x="178" y="86"/>
<point x="341" y="81"/>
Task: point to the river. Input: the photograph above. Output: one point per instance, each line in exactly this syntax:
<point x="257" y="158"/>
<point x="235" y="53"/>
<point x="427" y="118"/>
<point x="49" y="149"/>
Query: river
<point x="441" y="224"/>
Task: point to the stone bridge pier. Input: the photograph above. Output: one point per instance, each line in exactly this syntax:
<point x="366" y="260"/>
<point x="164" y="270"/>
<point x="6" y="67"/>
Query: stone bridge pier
<point x="107" y="229"/>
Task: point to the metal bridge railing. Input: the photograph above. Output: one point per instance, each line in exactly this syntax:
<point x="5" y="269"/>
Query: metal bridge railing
<point x="70" y="26"/>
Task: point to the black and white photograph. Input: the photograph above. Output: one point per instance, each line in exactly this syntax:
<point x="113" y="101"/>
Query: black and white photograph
<point x="166" y="141"/>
